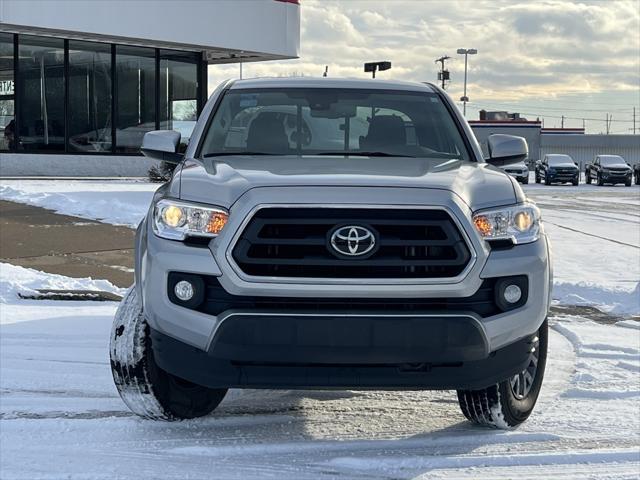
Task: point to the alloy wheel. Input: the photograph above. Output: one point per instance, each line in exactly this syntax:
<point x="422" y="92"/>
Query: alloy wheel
<point x="522" y="382"/>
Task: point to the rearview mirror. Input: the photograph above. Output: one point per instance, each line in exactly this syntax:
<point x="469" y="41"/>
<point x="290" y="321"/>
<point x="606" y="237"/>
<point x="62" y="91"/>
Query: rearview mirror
<point x="162" y="145"/>
<point x="506" y="149"/>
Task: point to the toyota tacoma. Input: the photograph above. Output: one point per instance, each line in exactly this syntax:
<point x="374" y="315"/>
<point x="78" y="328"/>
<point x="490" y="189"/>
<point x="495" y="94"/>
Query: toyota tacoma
<point x="335" y="234"/>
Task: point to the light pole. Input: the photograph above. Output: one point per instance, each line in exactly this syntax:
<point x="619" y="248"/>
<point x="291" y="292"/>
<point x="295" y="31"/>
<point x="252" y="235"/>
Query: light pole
<point x="376" y="66"/>
<point x="466" y="52"/>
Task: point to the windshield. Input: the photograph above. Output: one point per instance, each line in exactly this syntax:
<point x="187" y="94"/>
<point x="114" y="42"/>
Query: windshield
<point x="559" y="160"/>
<point x="606" y="161"/>
<point x="322" y="121"/>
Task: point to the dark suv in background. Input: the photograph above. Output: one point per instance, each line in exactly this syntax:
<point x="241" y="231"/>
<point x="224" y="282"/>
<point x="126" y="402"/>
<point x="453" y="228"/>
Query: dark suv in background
<point x="609" y="169"/>
<point x="557" y="168"/>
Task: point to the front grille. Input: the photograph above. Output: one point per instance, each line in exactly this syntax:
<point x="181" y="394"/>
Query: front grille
<point x="294" y="242"/>
<point x="565" y="171"/>
<point x="218" y="300"/>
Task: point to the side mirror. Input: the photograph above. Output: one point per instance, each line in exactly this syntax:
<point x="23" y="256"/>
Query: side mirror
<point x="162" y="145"/>
<point x="506" y="149"/>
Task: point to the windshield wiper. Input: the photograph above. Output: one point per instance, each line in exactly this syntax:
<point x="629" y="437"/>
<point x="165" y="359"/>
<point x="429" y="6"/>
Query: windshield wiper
<point x="227" y="154"/>
<point x="363" y="154"/>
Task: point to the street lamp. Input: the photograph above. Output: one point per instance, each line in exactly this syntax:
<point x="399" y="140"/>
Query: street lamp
<point x="464" y="98"/>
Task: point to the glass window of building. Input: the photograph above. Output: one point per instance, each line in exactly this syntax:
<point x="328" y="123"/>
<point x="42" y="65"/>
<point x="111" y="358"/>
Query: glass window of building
<point x="7" y="101"/>
<point x="136" y="87"/>
<point x="89" y="102"/>
<point x="40" y="89"/>
<point x="178" y="92"/>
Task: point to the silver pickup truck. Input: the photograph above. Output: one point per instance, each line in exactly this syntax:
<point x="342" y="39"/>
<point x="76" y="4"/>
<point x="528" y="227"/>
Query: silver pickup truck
<point x="344" y="234"/>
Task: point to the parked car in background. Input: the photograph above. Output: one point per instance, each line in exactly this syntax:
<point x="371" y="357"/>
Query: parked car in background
<point x="557" y="168"/>
<point x="636" y="173"/>
<point x="610" y="169"/>
<point x="519" y="171"/>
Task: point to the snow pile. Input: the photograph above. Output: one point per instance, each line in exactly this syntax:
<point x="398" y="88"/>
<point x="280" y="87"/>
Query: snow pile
<point x="609" y="300"/>
<point x="117" y="202"/>
<point x="16" y="280"/>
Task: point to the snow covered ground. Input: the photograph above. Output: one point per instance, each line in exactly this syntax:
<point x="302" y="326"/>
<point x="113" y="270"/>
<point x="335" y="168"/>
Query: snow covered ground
<point x="118" y="202"/>
<point x="60" y="416"/>
<point x="595" y="236"/>
<point x="595" y="231"/>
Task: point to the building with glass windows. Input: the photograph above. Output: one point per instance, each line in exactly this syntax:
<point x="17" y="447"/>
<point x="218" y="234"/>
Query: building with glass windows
<point x="81" y="82"/>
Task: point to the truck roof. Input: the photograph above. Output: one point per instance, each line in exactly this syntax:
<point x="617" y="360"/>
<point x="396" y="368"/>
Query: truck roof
<point x="325" y="82"/>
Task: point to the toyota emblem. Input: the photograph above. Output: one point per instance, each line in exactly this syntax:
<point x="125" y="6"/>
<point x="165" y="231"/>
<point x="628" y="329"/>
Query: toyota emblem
<point x="352" y="240"/>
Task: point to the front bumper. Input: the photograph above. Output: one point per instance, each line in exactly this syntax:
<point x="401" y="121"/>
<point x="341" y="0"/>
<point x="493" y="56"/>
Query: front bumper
<point x="204" y="368"/>
<point x="520" y="176"/>
<point x="563" y="177"/>
<point x="616" y="177"/>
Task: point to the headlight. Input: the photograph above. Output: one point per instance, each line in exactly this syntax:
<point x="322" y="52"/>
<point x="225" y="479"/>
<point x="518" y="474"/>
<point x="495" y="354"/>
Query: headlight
<point x="520" y="224"/>
<point x="552" y="170"/>
<point x="177" y="220"/>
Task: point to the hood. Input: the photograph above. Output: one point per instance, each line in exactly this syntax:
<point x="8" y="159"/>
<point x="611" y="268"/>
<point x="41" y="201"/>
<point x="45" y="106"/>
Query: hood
<point x="221" y="181"/>
<point x="617" y="165"/>
<point x="564" y="165"/>
<point x="515" y="166"/>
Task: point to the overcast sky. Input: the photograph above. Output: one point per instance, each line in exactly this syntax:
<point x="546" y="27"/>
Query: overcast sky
<point x="541" y="58"/>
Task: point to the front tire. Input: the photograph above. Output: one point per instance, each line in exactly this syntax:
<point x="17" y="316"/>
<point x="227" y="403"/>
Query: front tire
<point x="537" y="178"/>
<point x="525" y="181"/>
<point x="510" y="402"/>
<point x="587" y="178"/>
<point x="600" y="181"/>
<point x="144" y="387"/>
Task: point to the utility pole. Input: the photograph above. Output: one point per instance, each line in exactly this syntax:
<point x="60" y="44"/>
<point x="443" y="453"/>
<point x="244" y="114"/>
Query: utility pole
<point x="634" y="120"/>
<point x="562" y="122"/>
<point x="443" y="74"/>
<point x="326" y="70"/>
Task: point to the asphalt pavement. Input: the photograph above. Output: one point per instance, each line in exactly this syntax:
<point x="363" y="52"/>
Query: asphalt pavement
<point x="38" y="238"/>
